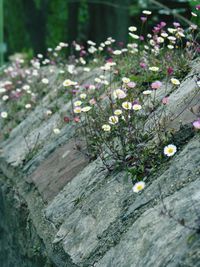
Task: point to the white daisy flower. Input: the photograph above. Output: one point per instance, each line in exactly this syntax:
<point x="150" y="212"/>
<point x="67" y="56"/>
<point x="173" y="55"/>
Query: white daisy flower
<point x="86" y="109"/>
<point x="175" y="81"/>
<point x="113" y="120"/>
<point x="127" y="105"/>
<point x="170" y="150"/>
<point x="45" y="81"/>
<point x="138" y="187"/>
<point x="106" y="127"/>
<point x="56" y="131"/>
<point x="4" y="114"/>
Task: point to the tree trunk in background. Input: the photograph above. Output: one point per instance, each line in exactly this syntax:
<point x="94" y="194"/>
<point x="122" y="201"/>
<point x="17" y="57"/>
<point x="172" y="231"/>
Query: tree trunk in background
<point x="16" y="36"/>
<point x="109" y="20"/>
<point x="36" y="24"/>
<point x="97" y="24"/>
<point x="122" y="20"/>
<point x="72" y="22"/>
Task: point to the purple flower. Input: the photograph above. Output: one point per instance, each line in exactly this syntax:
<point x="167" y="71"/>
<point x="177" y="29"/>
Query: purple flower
<point x="74" y="91"/>
<point x="135" y="102"/>
<point x="176" y="24"/>
<point x="143" y="19"/>
<point x="83" y="53"/>
<point x="196" y="124"/>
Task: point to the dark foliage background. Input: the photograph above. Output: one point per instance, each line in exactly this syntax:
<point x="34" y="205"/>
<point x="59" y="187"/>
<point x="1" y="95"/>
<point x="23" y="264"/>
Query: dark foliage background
<point x="33" y="25"/>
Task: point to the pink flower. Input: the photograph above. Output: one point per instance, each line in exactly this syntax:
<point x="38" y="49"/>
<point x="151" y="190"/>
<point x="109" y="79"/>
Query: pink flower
<point x="131" y="84"/>
<point x="156" y="29"/>
<point x="196" y="124"/>
<point x="156" y="85"/>
<point x="76" y="119"/>
<point x="141" y="38"/>
<point x="165" y="100"/>
<point x="143" y="65"/>
<point x="198" y="7"/>
<point x="159" y="26"/>
<point x="163" y="24"/>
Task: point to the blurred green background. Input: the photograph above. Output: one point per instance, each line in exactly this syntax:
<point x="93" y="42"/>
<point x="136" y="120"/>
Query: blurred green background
<point x="33" y="25"/>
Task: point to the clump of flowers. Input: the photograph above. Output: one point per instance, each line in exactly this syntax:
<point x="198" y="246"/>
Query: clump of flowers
<point x="114" y="110"/>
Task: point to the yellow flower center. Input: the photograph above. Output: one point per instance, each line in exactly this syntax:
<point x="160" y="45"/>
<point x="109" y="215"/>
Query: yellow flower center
<point x="170" y="150"/>
<point x="139" y="187"/>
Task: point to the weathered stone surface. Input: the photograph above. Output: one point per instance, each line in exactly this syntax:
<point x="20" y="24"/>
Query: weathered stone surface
<point x="58" y="169"/>
<point x="156" y="240"/>
<point x="84" y="209"/>
<point x="87" y="218"/>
